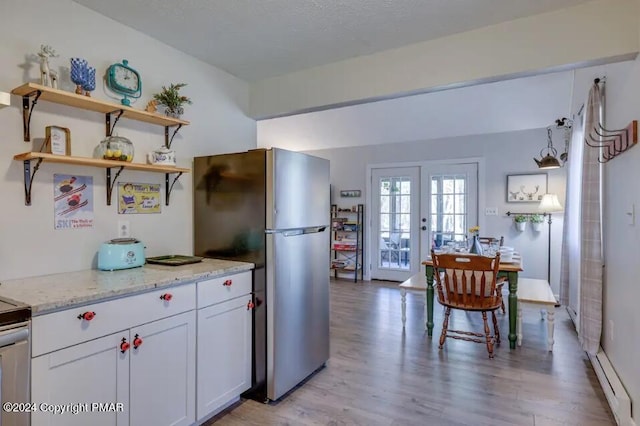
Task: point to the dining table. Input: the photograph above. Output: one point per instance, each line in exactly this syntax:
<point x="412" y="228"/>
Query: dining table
<point x="509" y="270"/>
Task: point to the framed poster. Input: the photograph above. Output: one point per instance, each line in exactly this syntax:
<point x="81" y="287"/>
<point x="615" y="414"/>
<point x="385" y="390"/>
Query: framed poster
<point x="526" y="188"/>
<point x="138" y="198"/>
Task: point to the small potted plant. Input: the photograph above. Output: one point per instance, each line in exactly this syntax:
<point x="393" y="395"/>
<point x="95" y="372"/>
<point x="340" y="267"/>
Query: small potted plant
<point x="536" y="222"/>
<point x="171" y="99"/>
<point x="521" y="222"/>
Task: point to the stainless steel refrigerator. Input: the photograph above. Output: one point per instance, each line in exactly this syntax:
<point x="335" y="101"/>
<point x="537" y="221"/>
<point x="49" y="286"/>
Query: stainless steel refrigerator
<point x="271" y="207"/>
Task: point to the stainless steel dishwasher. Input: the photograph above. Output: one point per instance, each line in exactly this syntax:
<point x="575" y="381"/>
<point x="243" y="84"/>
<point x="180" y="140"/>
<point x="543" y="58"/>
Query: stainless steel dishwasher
<point x="14" y="364"/>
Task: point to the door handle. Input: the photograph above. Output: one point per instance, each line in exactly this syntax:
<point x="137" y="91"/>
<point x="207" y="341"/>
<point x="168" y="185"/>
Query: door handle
<point x="424" y="219"/>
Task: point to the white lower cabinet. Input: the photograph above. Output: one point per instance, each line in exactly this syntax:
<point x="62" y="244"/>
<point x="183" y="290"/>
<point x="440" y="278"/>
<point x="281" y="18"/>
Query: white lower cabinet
<point x="153" y="378"/>
<point x="92" y="372"/>
<point x="163" y="372"/>
<point x="224" y="353"/>
<point x="177" y="368"/>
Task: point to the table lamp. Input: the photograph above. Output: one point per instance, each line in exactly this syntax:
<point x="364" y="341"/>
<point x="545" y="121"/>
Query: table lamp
<point x="549" y="204"/>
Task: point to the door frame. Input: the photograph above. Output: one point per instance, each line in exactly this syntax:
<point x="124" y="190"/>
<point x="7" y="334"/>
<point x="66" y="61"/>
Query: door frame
<point x="426" y="163"/>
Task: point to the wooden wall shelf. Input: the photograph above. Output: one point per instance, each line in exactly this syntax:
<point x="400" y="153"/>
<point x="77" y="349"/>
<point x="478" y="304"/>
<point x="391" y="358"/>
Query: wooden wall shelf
<point x="39" y="92"/>
<point x="27" y="157"/>
<point x="32" y="92"/>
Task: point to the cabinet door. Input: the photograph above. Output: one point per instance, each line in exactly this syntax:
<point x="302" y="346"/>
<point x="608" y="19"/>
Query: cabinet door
<point x="224" y="353"/>
<point x="93" y="372"/>
<point x="163" y="372"/>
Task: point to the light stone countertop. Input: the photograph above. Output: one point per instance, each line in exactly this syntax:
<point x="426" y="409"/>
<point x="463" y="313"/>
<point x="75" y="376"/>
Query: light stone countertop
<point x="58" y="291"/>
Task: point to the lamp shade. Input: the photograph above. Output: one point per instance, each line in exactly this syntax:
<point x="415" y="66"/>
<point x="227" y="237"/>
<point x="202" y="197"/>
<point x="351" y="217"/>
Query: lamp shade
<point x="550" y="204"/>
<point x="5" y="99"/>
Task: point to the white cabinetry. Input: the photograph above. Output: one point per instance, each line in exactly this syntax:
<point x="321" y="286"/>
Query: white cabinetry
<point x="142" y="351"/>
<point x="148" y="368"/>
<point x="224" y="341"/>
<point x="163" y="372"/>
<point x="95" y="371"/>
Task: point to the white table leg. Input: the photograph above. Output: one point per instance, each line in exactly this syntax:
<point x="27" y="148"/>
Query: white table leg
<point x="403" y="292"/>
<point x="541" y="314"/>
<point x="550" y="315"/>
<point x="519" y="325"/>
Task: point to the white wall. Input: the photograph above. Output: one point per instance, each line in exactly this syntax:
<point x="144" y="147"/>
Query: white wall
<point x="29" y="245"/>
<point x="621" y="239"/>
<point x="504" y="153"/>
<point x="593" y="31"/>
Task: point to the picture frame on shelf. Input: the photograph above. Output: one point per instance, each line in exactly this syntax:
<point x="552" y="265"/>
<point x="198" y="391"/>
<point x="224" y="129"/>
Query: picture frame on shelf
<point x="57" y="140"/>
<point x="350" y="193"/>
<point x="526" y="188"/>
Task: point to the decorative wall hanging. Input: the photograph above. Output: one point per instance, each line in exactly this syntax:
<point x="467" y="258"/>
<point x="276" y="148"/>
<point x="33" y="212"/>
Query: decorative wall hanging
<point x="527" y="188"/>
<point x="612" y="142"/>
<point x="350" y="193"/>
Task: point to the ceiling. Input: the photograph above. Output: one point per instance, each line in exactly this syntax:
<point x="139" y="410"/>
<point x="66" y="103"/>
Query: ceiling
<point x="258" y="39"/>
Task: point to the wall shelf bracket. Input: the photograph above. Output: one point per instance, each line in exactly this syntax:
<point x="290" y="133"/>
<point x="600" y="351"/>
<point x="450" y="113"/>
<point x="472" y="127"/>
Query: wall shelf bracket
<point x="110" y="184"/>
<point x="167" y="140"/>
<point x="107" y="116"/>
<point x="28" y="179"/>
<point x="169" y="188"/>
<point x="26" y="112"/>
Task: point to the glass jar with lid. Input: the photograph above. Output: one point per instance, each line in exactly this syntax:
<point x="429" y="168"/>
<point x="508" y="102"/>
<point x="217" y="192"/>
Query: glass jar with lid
<point x="114" y="148"/>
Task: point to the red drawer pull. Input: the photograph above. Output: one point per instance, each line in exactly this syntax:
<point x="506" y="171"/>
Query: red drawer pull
<point x="250" y="305"/>
<point x="137" y="341"/>
<point x="166" y="296"/>
<point x="87" y="316"/>
<point x="124" y="346"/>
<point x="227" y="283"/>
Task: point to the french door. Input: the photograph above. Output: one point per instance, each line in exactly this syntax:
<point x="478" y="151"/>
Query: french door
<point x="417" y="207"/>
<point x="449" y="204"/>
<point x="395" y="208"/>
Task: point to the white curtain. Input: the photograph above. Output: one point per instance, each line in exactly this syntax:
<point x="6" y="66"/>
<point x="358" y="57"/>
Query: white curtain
<point x="581" y="271"/>
<point x="591" y="259"/>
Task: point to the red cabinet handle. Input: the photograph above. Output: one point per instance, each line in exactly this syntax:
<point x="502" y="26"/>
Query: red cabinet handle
<point x="124" y="346"/>
<point x="166" y="296"/>
<point x="87" y="316"/>
<point x="250" y="305"/>
<point x="137" y="341"/>
<point x="227" y="283"/>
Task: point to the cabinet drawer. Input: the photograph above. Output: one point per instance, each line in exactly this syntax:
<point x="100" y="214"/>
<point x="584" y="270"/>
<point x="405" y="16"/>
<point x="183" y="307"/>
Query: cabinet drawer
<point x="219" y="289"/>
<point x="65" y="328"/>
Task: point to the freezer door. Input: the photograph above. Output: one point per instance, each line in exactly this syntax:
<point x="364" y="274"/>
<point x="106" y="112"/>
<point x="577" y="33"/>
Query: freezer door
<point x="298" y="311"/>
<point x="297" y="190"/>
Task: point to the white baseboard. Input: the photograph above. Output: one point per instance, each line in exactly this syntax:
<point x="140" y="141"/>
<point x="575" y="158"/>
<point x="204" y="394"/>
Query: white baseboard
<point x="616" y="394"/>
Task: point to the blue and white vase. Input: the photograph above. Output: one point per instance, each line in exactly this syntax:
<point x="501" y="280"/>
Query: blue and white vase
<point x="89" y="84"/>
<point x="476" y="247"/>
<point x="78" y="73"/>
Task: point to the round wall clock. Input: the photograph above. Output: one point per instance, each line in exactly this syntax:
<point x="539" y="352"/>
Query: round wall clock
<point x="125" y="81"/>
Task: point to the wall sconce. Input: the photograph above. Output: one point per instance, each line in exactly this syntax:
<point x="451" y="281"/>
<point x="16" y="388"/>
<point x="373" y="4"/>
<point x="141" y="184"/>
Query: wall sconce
<point x="551" y="161"/>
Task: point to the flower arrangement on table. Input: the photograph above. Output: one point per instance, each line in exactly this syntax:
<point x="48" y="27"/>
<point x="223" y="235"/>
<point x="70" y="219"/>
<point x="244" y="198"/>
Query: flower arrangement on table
<point x="475" y="246"/>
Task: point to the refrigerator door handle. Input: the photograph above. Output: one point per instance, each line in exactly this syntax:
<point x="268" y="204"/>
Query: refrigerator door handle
<point x="297" y="231"/>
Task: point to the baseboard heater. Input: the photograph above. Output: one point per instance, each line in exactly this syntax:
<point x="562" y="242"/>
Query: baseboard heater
<point x="615" y="392"/>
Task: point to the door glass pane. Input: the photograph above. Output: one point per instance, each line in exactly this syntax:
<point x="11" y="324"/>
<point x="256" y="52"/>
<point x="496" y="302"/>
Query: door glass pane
<point x="448" y="208"/>
<point x="395" y="220"/>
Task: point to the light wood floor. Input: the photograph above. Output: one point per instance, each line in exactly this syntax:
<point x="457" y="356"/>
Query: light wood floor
<point x="379" y="374"/>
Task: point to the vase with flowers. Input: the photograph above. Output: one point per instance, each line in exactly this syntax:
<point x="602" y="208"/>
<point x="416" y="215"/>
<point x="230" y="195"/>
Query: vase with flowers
<point x="172" y="100"/>
<point x="475" y="246"/>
